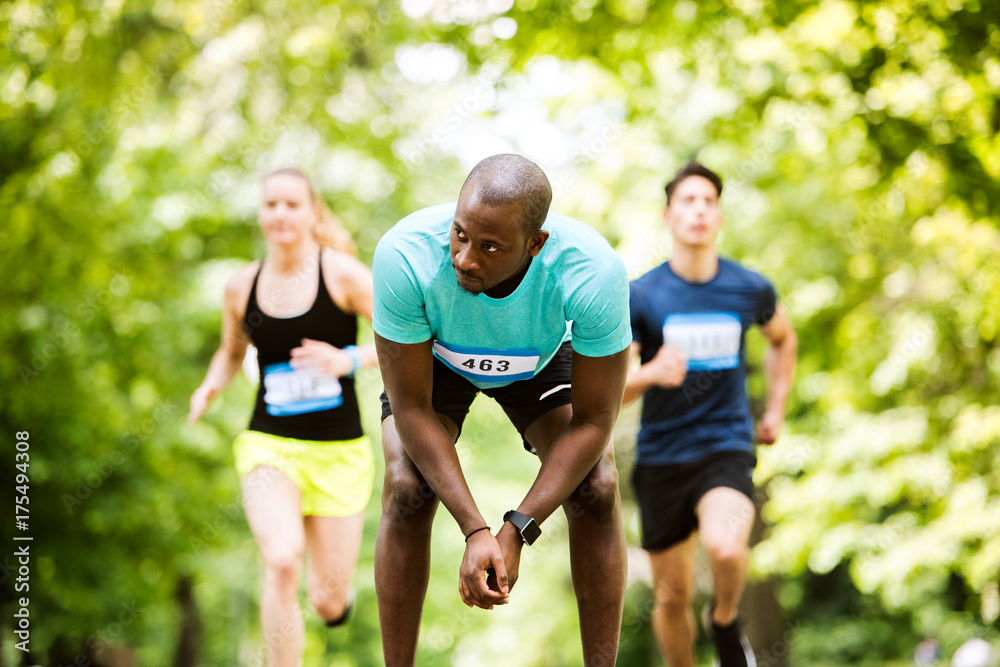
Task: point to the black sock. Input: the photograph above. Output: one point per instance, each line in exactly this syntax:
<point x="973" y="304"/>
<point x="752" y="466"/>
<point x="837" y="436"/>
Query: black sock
<point x="716" y="628"/>
<point x="343" y="617"/>
<point x="729" y="645"/>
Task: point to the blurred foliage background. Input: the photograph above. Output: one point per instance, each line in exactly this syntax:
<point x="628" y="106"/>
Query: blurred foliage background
<point x="859" y="146"/>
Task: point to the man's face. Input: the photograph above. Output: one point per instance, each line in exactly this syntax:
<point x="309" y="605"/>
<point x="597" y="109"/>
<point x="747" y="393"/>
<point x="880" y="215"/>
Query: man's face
<point x="694" y="215"/>
<point x="487" y="244"/>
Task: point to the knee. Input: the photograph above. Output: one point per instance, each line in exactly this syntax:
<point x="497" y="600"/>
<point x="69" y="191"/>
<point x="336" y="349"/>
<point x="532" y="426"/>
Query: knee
<point x="674" y="598"/>
<point x="282" y="568"/>
<point x="727" y="554"/>
<point x="597" y="496"/>
<point x="406" y="496"/>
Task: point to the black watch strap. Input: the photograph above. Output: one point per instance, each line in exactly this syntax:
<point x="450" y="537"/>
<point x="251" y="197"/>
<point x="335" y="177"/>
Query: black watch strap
<point x="525" y="525"/>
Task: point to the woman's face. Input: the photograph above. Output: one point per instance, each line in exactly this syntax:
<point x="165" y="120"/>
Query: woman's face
<point x="287" y="212"/>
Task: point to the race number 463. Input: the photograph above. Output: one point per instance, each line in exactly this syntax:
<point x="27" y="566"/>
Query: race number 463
<point x="488" y="365"/>
<point x="501" y="365"/>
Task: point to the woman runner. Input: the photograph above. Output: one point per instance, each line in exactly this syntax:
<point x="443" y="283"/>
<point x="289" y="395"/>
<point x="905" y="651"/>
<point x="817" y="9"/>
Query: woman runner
<point x="306" y="467"/>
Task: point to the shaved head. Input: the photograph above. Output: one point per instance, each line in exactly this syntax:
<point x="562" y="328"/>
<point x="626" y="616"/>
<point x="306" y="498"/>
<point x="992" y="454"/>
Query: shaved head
<point x="511" y="179"/>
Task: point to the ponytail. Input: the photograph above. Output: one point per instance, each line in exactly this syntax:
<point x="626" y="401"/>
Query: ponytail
<point x="329" y="232"/>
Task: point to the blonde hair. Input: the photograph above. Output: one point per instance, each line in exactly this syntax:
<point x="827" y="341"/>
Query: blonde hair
<point x="329" y="232"/>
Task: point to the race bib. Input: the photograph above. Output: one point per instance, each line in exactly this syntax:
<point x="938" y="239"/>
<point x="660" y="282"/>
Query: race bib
<point x="485" y="365"/>
<point x="710" y="341"/>
<point x="288" y="391"/>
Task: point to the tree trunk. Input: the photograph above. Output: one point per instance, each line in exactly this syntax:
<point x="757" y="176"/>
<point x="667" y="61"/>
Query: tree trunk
<point x="189" y="642"/>
<point x="765" y="626"/>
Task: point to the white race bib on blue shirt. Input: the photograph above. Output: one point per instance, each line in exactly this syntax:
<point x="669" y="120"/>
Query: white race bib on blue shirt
<point x="288" y="391"/>
<point x="710" y="341"/>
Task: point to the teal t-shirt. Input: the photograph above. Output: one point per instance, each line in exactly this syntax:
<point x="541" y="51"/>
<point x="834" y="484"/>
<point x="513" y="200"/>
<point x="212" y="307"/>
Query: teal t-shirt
<point x="575" y="289"/>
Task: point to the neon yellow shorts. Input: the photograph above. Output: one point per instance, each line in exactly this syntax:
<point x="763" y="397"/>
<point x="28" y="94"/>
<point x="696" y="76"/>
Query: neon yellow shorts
<point x="335" y="477"/>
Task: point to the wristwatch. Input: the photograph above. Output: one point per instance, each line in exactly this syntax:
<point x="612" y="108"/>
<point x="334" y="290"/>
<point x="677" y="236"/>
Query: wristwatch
<point x="525" y="525"/>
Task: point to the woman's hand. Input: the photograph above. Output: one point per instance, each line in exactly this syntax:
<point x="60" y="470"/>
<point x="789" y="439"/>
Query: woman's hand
<point x="200" y="400"/>
<point x="322" y="356"/>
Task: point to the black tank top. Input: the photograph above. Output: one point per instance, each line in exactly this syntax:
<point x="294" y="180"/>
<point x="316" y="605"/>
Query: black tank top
<point x="296" y="405"/>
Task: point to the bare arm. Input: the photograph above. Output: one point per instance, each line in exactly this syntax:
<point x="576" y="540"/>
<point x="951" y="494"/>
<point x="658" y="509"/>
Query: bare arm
<point x="667" y="369"/>
<point x="598" y="383"/>
<point x="779" y="369"/>
<point x="228" y="359"/>
<point x="407" y="371"/>
<point x="355" y="284"/>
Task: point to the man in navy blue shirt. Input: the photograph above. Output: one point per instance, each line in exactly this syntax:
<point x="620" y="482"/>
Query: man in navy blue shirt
<point x="695" y="445"/>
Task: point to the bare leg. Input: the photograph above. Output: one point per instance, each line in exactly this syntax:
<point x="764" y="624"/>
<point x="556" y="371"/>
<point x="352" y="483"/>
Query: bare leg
<point x="273" y="508"/>
<point x="596" y="543"/>
<point x="403" y="548"/>
<point x="725" y="518"/>
<point x="332" y="545"/>
<point x="673" y="586"/>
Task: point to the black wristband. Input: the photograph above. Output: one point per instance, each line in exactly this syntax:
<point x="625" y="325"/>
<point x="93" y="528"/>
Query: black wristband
<point x="476" y="531"/>
<point x="525" y="525"/>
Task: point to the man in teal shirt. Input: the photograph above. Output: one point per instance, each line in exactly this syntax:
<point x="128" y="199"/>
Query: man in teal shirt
<point x="495" y="294"/>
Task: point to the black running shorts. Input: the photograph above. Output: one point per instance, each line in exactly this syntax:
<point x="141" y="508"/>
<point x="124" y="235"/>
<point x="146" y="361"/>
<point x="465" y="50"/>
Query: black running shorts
<point x="524" y="401"/>
<point x="668" y="494"/>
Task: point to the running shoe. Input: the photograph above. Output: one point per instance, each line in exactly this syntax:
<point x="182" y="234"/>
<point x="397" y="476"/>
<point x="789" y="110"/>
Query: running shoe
<point x="732" y="647"/>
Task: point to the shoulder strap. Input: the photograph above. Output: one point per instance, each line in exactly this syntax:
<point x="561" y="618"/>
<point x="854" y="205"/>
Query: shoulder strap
<point x="252" y="299"/>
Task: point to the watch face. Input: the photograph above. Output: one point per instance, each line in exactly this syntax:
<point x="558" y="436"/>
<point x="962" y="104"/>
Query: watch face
<point x="525" y="525"/>
<point x="531" y="532"/>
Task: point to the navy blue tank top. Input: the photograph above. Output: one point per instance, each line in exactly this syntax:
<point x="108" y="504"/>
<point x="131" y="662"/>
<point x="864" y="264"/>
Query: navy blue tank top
<point x="295" y="403"/>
